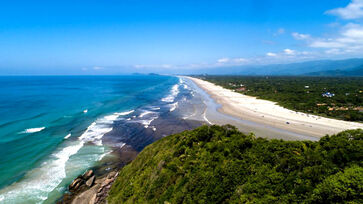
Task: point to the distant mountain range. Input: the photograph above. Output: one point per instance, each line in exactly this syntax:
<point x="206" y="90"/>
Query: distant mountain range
<point x="347" y="67"/>
<point x="352" y="72"/>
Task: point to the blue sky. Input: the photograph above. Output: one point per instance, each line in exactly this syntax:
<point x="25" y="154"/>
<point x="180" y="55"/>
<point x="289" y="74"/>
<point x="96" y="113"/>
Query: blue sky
<point x="105" y="37"/>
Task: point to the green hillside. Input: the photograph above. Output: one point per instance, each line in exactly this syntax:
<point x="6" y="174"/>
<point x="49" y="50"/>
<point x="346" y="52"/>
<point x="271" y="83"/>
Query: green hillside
<point x="222" y="165"/>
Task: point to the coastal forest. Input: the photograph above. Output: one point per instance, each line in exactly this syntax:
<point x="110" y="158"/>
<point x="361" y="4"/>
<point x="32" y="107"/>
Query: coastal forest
<point x="219" y="164"/>
<point x="334" y="97"/>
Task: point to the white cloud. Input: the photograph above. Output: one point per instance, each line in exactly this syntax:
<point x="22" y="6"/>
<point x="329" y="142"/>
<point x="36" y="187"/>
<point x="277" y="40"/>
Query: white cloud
<point x="231" y="61"/>
<point x="97" y="68"/>
<point x="326" y="43"/>
<point x="166" y="66"/>
<point x="306" y="53"/>
<point x="354" y="31"/>
<point x="143" y="66"/>
<point x="349" y="39"/>
<point x="289" y="52"/>
<point x="223" y="60"/>
<point x="271" y="54"/>
<point x="289" y="55"/>
<point x="284" y="56"/>
<point x="240" y="60"/>
<point x="346" y="40"/>
<point x="353" y="10"/>
<point x="333" y="51"/>
<point x="299" y="36"/>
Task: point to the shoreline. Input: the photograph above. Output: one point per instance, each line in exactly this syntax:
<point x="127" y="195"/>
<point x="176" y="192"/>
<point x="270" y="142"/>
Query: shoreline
<point x="139" y="129"/>
<point x="210" y="108"/>
<point x="269" y="114"/>
<point x="95" y="187"/>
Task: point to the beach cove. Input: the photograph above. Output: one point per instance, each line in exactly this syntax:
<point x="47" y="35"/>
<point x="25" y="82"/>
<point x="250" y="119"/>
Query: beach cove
<point x="250" y="113"/>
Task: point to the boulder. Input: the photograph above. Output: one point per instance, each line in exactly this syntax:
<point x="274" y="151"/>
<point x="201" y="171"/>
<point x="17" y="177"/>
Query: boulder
<point x="111" y="174"/>
<point x="87" y="174"/>
<point x="107" y="182"/>
<point x="75" y="184"/>
<point x="86" y="197"/>
<point x="90" y="181"/>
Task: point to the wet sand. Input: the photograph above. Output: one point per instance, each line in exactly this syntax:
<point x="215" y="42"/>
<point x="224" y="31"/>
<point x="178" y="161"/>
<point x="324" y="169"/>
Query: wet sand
<point x="265" y="118"/>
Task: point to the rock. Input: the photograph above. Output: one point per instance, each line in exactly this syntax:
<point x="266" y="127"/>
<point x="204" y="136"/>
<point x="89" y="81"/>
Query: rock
<point x="75" y="184"/>
<point x="99" y="194"/>
<point x="100" y="181"/>
<point x="107" y="182"/>
<point x="90" y="181"/>
<point x="111" y="174"/>
<point x="86" y="197"/>
<point x="99" y="190"/>
<point x="87" y="174"/>
<point x="93" y="199"/>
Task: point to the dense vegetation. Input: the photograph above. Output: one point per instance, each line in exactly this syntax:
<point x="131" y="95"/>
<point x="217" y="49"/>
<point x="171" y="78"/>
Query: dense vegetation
<point x="303" y="93"/>
<point x="214" y="164"/>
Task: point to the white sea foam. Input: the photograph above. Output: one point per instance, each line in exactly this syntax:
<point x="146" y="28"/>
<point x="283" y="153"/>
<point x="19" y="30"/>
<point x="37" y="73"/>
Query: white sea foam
<point x="67" y="136"/>
<point x="95" y="132"/>
<point x="154" y="108"/>
<point x="146" y="121"/>
<point x="147" y="117"/>
<point x="126" y="112"/>
<point x="115" y="116"/>
<point x="173" y="93"/>
<point x="185" y="86"/>
<point x="33" y="130"/>
<point x="36" y="185"/>
<point x="146" y="112"/>
<point x="39" y="182"/>
<point x="205" y="118"/>
<point x="100" y="127"/>
<point x="103" y="155"/>
<point x="173" y="106"/>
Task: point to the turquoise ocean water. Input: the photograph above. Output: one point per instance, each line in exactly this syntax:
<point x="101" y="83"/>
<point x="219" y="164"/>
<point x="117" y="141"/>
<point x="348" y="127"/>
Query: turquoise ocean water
<point x="47" y="123"/>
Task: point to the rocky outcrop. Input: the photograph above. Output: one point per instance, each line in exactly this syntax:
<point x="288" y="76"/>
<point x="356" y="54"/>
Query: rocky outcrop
<point x="87" y="189"/>
<point x="87" y="174"/>
<point x="78" y="184"/>
<point x="93" y="185"/>
<point x="81" y="182"/>
<point x="90" y="181"/>
<point x="105" y="187"/>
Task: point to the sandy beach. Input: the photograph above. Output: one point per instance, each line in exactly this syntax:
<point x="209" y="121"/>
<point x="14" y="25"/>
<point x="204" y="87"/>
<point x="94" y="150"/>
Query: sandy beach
<point x="268" y="113"/>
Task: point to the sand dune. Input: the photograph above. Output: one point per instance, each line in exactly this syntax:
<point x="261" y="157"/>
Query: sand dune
<point x="268" y="113"/>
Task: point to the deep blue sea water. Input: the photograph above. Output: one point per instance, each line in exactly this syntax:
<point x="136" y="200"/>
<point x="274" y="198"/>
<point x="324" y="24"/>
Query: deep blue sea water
<point x="47" y="122"/>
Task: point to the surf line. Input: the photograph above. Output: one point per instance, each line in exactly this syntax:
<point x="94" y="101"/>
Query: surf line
<point x="205" y="117"/>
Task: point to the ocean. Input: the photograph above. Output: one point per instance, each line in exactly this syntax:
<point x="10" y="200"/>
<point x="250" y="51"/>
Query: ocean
<point x="54" y="128"/>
